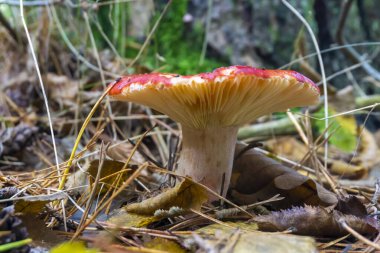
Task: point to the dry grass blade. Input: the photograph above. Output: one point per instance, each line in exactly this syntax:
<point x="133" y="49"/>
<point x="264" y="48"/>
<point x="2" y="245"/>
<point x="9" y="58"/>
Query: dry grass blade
<point x="83" y="128"/>
<point x="95" y="185"/>
<point x="320" y="61"/>
<point x="122" y="187"/>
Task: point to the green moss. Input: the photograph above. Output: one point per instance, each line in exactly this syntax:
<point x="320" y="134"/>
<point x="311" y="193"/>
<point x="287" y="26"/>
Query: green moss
<point x="180" y="49"/>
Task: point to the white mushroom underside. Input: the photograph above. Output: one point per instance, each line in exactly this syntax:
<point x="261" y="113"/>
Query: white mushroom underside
<point x="224" y="102"/>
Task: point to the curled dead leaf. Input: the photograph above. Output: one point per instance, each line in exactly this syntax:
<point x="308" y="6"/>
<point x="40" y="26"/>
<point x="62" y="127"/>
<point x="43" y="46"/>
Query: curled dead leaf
<point x="257" y="177"/>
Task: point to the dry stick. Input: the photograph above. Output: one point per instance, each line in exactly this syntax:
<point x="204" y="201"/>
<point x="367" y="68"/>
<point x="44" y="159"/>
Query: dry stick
<point x="232" y="211"/>
<point x="212" y="219"/>
<point x="332" y="243"/>
<point x="358" y="236"/>
<point x="149" y="37"/>
<point x="298" y="127"/>
<point x="160" y="142"/>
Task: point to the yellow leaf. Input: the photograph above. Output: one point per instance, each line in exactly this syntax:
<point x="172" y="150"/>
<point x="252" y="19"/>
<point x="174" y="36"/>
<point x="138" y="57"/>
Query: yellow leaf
<point x="125" y="219"/>
<point x="30" y="207"/>
<point x="186" y="195"/>
<point x="164" y="245"/>
<point x="211" y="229"/>
<point x="73" y="247"/>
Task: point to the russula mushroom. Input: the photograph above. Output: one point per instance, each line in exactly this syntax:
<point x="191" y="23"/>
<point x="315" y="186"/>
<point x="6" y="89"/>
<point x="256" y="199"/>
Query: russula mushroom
<point x="210" y="108"/>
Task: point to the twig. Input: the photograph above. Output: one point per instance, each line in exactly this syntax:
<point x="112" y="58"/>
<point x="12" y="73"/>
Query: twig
<point x="358" y="236"/>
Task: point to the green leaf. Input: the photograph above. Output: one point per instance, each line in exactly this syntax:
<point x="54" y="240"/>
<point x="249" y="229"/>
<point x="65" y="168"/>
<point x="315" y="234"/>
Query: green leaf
<point x="345" y="137"/>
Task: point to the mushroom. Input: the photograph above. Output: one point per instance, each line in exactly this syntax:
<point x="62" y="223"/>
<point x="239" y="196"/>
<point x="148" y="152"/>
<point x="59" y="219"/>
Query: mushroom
<point x="210" y="107"/>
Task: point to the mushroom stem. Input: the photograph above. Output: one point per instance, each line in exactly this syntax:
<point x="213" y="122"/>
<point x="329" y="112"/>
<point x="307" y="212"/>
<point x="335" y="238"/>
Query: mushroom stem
<point x="207" y="156"/>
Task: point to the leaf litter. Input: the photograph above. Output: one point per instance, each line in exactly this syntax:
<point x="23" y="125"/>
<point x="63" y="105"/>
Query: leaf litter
<point x="151" y="213"/>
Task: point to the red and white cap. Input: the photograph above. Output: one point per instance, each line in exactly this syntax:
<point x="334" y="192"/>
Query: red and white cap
<point x="228" y="96"/>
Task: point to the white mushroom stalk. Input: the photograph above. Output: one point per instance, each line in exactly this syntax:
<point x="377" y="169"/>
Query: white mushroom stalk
<point x="210" y="108"/>
<point x="207" y="156"/>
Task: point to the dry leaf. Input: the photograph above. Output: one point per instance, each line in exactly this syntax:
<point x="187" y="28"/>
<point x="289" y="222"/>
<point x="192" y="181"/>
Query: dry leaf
<point x="347" y="170"/>
<point x="295" y="150"/>
<point x="164" y="245"/>
<point x="110" y="174"/>
<point x="62" y="89"/>
<point x="368" y="150"/>
<point x="30" y="207"/>
<point x="254" y="242"/>
<point x="121" y="152"/>
<point x="314" y="221"/>
<point x="256" y="177"/>
<point x="124" y="219"/>
<point x="211" y="229"/>
<point x="186" y="195"/>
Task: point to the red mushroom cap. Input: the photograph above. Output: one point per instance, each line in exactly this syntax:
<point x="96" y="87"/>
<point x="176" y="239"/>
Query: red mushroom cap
<point x="228" y="96"/>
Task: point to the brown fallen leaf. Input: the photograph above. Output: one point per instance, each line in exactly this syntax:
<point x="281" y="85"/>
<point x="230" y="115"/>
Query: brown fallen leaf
<point x="256" y="177"/>
<point x="110" y="174"/>
<point x="62" y="89"/>
<point x="295" y="150"/>
<point x="121" y="151"/>
<point x="368" y="154"/>
<point x="347" y="170"/>
<point x="186" y="195"/>
<point x="314" y="221"/>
